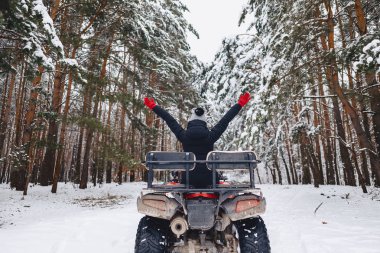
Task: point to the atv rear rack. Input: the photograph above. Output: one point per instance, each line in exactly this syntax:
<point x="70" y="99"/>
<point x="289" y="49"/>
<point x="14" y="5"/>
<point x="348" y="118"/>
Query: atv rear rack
<point x="215" y="161"/>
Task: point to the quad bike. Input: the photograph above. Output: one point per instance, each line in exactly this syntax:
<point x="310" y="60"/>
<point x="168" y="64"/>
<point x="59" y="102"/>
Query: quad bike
<point x="219" y="219"/>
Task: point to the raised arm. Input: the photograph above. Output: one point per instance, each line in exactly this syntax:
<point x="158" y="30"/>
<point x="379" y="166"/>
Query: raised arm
<point x="170" y="121"/>
<point x="222" y="125"/>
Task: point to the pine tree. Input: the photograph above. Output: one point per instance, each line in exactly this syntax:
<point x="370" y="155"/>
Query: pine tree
<point x="290" y="51"/>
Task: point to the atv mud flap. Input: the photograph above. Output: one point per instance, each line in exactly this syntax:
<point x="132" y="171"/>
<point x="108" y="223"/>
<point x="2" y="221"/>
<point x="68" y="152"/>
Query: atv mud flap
<point x="229" y="207"/>
<point x="158" y="206"/>
<point x="201" y="214"/>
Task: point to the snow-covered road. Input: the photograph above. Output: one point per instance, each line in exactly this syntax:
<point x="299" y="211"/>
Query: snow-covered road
<point x="100" y="220"/>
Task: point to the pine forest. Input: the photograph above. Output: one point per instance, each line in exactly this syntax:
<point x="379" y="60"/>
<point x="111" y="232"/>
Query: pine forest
<point x="73" y="76"/>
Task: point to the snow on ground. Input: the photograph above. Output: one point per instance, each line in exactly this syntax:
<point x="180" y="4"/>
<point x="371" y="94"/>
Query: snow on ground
<point x="105" y="219"/>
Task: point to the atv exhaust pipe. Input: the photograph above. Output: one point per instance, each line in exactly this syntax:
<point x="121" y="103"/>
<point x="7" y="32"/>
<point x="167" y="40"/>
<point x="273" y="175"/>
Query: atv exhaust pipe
<point x="179" y="226"/>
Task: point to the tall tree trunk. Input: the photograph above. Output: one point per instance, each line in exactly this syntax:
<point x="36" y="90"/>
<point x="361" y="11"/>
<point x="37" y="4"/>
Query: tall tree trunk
<point x="317" y="142"/>
<point x="47" y="168"/>
<point x="286" y="166"/>
<point x="97" y="160"/>
<point x="90" y="131"/>
<point x="122" y="130"/>
<point x="361" y="178"/>
<point x="290" y="157"/>
<point x="336" y="158"/>
<point x="31" y="155"/>
<point x="277" y="167"/>
<point x="273" y="173"/>
<point x="360" y="16"/>
<point x="333" y="80"/>
<point x="6" y="163"/>
<point x="6" y="109"/>
<point x="49" y="162"/>
<point x="108" y="140"/>
<point x="58" y="163"/>
<point x="78" y="157"/>
<point x="87" y="147"/>
<point x="4" y="96"/>
<point x="356" y="122"/>
<point x="374" y="92"/>
<point x="364" y="164"/>
<point x="28" y="131"/>
<point x="366" y="125"/>
<point x="109" y="172"/>
<point x="312" y="163"/>
<point x="373" y="88"/>
<point x="327" y="148"/>
<point x="306" y="177"/>
<point x="3" y="106"/>
<point x="20" y="104"/>
<point x="348" y="169"/>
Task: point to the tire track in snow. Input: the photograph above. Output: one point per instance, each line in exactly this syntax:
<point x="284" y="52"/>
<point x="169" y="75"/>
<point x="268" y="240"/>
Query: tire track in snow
<point x="284" y="235"/>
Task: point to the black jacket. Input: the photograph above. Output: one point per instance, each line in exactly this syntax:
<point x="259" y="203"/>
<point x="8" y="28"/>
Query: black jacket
<point x="197" y="138"/>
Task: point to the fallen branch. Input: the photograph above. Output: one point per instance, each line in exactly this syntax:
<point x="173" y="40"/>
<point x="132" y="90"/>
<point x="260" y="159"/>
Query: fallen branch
<point x="326" y="96"/>
<point x="316" y="209"/>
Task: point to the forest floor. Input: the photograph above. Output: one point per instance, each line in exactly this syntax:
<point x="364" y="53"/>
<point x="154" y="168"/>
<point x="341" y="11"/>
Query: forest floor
<point x="104" y="219"/>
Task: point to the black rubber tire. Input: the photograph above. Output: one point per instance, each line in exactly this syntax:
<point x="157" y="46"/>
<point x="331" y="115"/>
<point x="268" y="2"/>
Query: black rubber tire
<point x="253" y="236"/>
<point x="152" y="235"/>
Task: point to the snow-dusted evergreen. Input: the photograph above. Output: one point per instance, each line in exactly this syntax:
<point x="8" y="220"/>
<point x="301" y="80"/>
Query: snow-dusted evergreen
<point x="303" y="61"/>
<point x="75" y="76"/>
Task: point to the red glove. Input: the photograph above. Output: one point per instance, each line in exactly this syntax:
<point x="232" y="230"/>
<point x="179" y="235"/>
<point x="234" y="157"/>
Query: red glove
<point x="150" y="103"/>
<point x="243" y="100"/>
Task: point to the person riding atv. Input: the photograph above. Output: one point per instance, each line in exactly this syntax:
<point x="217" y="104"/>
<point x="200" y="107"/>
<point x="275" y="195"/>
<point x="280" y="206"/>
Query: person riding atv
<point x="197" y="138"/>
<point x="201" y="214"/>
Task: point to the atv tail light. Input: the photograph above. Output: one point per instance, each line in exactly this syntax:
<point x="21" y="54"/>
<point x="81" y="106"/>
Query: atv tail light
<point x="244" y="205"/>
<point x="158" y="204"/>
<point x="201" y="194"/>
<point x="172" y="183"/>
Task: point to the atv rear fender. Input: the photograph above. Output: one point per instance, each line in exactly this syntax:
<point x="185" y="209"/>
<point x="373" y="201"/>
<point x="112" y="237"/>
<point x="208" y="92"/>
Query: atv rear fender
<point x="158" y="206"/>
<point x="244" y="206"/>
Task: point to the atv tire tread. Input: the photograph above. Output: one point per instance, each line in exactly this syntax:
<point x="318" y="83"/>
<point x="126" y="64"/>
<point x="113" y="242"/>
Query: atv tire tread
<point x="253" y="236"/>
<point x="152" y="235"/>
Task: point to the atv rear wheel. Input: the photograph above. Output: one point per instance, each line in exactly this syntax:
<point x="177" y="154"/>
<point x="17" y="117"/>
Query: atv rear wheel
<point x="152" y="235"/>
<point x="253" y="236"/>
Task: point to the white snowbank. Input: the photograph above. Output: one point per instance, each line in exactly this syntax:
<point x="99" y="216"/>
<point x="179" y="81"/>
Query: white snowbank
<point x="105" y="219"/>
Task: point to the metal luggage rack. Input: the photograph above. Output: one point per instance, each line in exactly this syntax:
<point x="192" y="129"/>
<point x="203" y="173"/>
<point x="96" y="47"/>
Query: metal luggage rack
<point x="215" y="161"/>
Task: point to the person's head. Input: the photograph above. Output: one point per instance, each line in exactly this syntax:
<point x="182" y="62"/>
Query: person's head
<point x="197" y="114"/>
<point x="197" y="125"/>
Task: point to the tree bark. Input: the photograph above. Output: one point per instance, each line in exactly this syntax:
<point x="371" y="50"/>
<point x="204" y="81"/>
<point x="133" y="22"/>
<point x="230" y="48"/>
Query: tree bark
<point x="374" y="92"/>
<point x="122" y="130"/>
<point x="47" y="168"/>
<point x="58" y="163"/>
<point x="20" y="104"/>
<point x="356" y="122"/>
<point x="277" y="167"/>
<point x="306" y="177"/>
<point x="361" y="20"/>
<point x="90" y="131"/>
<point x="28" y="130"/>
<point x="4" y="120"/>
<point x="286" y="166"/>
<point x="317" y="140"/>
<point x="327" y="148"/>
